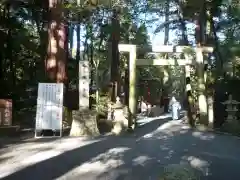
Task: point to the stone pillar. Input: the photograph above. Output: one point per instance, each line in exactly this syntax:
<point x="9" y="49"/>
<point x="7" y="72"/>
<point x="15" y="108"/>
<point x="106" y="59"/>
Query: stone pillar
<point x="84" y="120"/>
<point x="84" y="81"/>
<point x="132" y="87"/>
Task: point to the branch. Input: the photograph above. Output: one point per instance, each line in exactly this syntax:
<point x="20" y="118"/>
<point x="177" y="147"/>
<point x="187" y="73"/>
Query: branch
<point x="163" y="25"/>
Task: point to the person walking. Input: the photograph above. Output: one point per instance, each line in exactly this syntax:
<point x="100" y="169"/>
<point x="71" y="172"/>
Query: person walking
<point x="144" y="108"/>
<point x="174" y="108"/>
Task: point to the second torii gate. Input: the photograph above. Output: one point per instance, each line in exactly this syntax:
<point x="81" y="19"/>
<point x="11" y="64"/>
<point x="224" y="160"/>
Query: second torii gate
<point x="199" y="62"/>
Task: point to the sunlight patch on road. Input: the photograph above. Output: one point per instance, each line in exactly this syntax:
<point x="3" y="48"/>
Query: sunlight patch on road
<point x="203" y="135"/>
<point x="12" y="168"/>
<point x="24" y="157"/>
<point x="165" y="130"/>
<point x="142" y="120"/>
<point x="102" y="163"/>
<point x="168" y="125"/>
<point x="199" y="164"/>
<point x="141" y="160"/>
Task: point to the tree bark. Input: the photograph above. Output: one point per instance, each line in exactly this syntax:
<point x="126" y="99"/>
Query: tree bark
<point x="189" y="96"/>
<point x="166" y="29"/>
<point x="78" y="32"/>
<point x="114" y="56"/>
<point x="56" y="54"/>
<point x="91" y="92"/>
<point x="9" y="53"/>
<point x="2" y="53"/>
<point x="43" y="33"/>
<point x="71" y="32"/>
<point x="76" y="125"/>
<point x="200" y="32"/>
<point x="215" y="43"/>
<point x="166" y="39"/>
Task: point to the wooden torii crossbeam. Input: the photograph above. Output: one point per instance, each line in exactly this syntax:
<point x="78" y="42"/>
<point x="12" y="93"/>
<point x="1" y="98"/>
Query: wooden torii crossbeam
<point x="133" y="62"/>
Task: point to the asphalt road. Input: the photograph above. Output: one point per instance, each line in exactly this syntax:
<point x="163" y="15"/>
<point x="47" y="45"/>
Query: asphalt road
<point x="138" y="156"/>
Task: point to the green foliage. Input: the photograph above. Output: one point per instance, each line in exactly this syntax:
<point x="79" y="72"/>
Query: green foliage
<point x="102" y="105"/>
<point x="179" y="172"/>
<point x="23" y="42"/>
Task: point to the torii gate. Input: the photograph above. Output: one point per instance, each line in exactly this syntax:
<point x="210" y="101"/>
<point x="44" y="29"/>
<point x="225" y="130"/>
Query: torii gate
<point x="199" y="62"/>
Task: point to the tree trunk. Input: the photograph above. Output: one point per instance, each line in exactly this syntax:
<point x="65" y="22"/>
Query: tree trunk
<point x="166" y="30"/>
<point x="56" y="55"/>
<point x="75" y="127"/>
<point x="215" y="43"/>
<point x="71" y="32"/>
<point x="166" y="41"/>
<point x="200" y="32"/>
<point x="1" y="64"/>
<point x="9" y="53"/>
<point x="78" y="29"/>
<point x="43" y="35"/>
<point x="189" y="96"/>
<point x="2" y="53"/>
<point x="114" y="56"/>
<point x="91" y="92"/>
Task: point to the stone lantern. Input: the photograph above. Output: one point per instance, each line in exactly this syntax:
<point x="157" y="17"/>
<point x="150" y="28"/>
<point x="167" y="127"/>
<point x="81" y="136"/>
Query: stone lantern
<point x="231" y="109"/>
<point x="120" y="117"/>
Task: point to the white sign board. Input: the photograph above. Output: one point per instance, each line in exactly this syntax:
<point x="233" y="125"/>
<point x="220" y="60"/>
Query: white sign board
<point x="49" y="106"/>
<point x="84" y="81"/>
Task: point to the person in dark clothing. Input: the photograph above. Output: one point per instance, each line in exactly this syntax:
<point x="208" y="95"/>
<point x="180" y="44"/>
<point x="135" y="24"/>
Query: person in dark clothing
<point x="166" y="104"/>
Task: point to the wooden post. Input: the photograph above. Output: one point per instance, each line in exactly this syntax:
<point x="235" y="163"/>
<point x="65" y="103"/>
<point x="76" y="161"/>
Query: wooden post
<point x="202" y="100"/>
<point x="132" y="86"/>
<point x="189" y="98"/>
<point x="131" y="49"/>
<point x="126" y="85"/>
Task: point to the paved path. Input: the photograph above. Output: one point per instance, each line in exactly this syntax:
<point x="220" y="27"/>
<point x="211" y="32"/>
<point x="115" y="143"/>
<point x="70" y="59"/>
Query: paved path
<point x="140" y="156"/>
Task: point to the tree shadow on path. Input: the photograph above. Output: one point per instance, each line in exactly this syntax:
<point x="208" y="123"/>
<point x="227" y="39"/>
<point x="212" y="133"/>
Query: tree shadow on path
<point x="138" y="156"/>
<point x="59" y="165"/>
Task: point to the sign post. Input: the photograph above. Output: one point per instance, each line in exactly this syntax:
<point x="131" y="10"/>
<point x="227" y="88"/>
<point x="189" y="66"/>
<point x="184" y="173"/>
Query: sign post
<point x="49" y="108"/>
